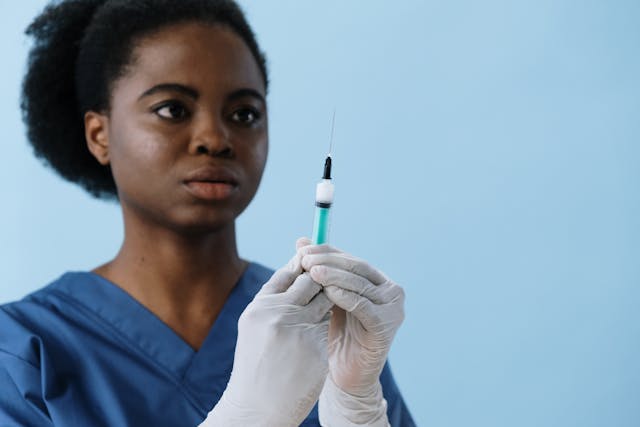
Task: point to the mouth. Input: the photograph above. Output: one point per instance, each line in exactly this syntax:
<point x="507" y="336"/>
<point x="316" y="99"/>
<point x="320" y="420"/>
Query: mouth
<point x="211" y="183"/>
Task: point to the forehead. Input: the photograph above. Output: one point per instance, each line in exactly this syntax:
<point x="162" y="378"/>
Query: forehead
<point x="199" y="55"/>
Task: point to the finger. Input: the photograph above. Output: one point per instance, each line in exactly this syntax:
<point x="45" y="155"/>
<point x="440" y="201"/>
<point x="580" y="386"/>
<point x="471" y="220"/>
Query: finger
<point x="302" y="291"/>
<point x="318" y="308"/>
<point x="363" y="309"/>
<point x="315" y="249"/>
<point x="302" y="242"/>
<point x="283" y="278"/>
<point x="391" y="293"/>
<point x="346" y="262"/>
<point x="330" y="276"/>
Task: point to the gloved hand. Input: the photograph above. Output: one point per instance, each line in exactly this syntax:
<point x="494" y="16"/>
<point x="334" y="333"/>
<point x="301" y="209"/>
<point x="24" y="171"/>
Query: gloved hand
<point x="370" y="309"/>
<point x="280" y="362"/>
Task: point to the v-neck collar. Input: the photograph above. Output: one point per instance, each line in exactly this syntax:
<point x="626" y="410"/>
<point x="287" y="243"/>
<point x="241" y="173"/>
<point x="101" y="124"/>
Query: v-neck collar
<point x="211" y="366"/>
<point x="202" y="369"/>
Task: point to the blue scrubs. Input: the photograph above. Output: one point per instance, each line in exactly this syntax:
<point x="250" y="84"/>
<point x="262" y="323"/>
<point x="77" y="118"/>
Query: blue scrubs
<point x="82" y="352"/>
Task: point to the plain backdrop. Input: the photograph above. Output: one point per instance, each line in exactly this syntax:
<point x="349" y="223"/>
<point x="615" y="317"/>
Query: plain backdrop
<point x="486" y="158"/>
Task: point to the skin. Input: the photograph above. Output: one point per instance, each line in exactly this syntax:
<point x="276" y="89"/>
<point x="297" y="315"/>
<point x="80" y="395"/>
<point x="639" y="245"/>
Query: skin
<point x="179" y="256"/>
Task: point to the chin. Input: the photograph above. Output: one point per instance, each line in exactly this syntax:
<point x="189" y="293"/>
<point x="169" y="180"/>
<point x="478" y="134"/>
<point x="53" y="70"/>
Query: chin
<point x="202" y="220"/>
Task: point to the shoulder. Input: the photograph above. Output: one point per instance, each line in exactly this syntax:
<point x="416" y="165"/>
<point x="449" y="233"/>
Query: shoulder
<point x="24" y="323"/>
<point x="25" y="327"/>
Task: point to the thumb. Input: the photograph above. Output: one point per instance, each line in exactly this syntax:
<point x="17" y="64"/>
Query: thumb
<point x="302" y="242"/>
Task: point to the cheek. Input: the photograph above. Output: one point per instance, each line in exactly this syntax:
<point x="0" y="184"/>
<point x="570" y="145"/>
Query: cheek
<point x="139" y="158"/>
<point x="259" y="159"/>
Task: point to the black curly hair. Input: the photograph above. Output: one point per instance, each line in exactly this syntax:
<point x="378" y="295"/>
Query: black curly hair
<point x="81" y="48"/>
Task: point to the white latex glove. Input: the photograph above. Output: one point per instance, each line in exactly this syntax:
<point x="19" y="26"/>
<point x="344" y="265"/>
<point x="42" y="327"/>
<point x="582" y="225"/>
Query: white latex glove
<point x="280" y="362"/>
<point x="370" y="309"/>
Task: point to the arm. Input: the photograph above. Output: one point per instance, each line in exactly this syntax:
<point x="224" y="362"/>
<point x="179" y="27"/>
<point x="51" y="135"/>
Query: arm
<point x="338" y="405"/>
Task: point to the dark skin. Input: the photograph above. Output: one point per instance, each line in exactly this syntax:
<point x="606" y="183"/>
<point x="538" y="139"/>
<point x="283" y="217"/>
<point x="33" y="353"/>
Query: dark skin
<point x="192" y="97"/>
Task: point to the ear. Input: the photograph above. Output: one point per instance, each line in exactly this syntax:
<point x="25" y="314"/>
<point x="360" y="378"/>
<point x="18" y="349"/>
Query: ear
<point x="96" y="132"/>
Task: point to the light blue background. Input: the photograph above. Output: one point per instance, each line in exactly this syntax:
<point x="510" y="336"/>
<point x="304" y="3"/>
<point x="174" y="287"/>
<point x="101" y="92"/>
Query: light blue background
<point x="486" y="158"/>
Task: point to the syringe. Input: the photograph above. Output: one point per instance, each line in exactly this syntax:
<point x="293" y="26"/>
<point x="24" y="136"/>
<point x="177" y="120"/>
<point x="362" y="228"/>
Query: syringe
<point x="324" y="197"/>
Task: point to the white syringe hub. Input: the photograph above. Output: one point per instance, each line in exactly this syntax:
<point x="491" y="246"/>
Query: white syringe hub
<point x="324" y="191"/>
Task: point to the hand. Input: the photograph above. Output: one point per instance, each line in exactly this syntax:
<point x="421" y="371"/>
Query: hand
<point x="280" y="362"/>
<point x="370" y="309"/>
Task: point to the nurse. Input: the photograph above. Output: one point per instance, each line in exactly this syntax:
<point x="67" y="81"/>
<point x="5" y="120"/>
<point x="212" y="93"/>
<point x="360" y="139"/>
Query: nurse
<point x="161" y="105"/>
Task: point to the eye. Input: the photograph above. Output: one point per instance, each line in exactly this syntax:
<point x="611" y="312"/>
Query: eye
<point x="172" y="110"/>
<point x="246" y="116"/>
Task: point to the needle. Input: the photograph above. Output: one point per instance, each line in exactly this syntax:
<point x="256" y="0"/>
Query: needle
<point x="333" y="122"/>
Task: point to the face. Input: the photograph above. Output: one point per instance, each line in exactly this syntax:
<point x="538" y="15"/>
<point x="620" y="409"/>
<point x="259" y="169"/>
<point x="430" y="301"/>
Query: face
<point x="186" y="134"/>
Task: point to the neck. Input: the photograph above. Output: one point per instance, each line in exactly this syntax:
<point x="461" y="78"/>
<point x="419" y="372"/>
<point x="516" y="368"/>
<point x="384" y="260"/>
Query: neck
<point x="183" y="279"/>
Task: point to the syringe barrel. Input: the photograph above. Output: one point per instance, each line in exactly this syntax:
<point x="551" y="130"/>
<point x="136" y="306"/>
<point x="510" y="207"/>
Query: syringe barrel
<point x="324" y="199"/>
<point x="321" y="226"/>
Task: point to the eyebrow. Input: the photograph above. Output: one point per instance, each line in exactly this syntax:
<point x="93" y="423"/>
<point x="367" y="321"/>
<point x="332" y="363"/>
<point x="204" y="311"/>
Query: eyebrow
<point x="173" y="87"/>
<point x="193" y="93"/>
<point x="246" y="92"/>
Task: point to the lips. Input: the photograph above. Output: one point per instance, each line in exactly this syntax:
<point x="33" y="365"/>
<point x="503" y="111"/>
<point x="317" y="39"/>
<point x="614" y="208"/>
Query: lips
<point x="212" y="174"/>
<point x="211" y="183"/>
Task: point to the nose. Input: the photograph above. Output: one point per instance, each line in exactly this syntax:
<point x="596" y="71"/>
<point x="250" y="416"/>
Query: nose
<point x="211" y="136"/>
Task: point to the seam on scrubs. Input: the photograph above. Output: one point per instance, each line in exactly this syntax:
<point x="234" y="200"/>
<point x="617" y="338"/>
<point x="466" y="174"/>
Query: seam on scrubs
<point x="132" y="345"/>
<point x="21" y="323"/>
<point x="15" y="356"/>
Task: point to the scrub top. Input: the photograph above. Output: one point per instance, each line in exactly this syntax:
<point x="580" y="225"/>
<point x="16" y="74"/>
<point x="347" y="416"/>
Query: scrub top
<point x="82" y="352"/>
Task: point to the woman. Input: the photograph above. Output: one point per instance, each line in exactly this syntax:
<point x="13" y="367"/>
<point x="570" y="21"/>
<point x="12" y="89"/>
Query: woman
<point x="161" y="104"/>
